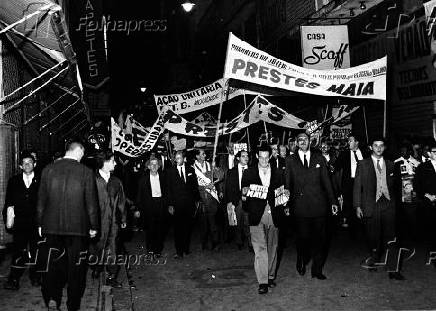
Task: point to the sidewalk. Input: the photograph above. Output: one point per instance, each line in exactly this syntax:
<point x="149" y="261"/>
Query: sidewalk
<point x="29" y="298"/>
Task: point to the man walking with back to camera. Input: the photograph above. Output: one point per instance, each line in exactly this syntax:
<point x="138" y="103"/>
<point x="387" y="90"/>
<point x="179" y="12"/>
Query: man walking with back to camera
<point x="67" y="215"/>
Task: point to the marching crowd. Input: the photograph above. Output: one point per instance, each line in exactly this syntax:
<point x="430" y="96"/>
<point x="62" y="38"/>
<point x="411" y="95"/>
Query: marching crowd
<point x="71" y="209"/>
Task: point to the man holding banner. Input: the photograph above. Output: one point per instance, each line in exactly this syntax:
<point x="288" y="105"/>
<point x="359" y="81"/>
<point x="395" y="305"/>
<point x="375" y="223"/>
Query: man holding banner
<point x="258" y="196"/>
<point x="209" y="198"/>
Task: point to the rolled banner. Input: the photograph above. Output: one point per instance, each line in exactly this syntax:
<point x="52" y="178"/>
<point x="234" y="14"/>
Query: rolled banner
<point x="10" y="216"/>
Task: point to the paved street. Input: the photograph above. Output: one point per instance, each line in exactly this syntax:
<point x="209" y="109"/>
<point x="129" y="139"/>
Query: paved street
<point x="29" y="298"/>
<point x="225" y="280"/>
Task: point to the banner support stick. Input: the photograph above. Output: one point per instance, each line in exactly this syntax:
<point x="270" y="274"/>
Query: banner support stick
<point x="248" y="132"/>
<point x="384" y="119"/>
<point x="366" y="124"/>
<point x="218" y="125"/>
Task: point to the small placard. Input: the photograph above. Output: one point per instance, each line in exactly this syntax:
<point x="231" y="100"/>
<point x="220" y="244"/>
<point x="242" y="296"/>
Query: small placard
<point x="281" y="197"/>
<point x="257" y="191"/>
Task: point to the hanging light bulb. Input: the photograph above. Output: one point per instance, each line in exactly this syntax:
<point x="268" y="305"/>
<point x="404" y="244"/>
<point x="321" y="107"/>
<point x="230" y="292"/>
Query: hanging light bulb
<point x="362" y="5"/>
<point x="188" y="6"/>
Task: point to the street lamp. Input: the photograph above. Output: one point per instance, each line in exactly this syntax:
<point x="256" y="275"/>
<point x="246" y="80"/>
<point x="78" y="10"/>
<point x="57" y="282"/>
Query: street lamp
<point x="143" y="89"/>
<point x="188" y="6"/>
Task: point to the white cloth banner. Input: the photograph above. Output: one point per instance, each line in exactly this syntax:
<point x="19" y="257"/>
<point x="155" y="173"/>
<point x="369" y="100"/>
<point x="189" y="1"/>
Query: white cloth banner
<point x="260" y="109"/>
<point x="325" y="47"/>
<point x="430" y="14"/>
<point x="127" y="145"/>
<point x="197" y="99"/>
<point x="246" y="63"/>
<point x="204" y="181"/>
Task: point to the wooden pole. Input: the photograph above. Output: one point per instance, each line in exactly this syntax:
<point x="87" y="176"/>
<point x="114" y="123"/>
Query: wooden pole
<point x="218" y="123"/>
<point x="248" y="132"/>
<point x="366" y="124"/>
<point x="384" y="119"/>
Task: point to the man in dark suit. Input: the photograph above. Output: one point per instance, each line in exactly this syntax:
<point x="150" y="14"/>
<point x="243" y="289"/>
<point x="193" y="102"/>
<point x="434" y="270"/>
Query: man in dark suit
<point x="374" y="201"/>
<point x="275" y="161"/>
<point x="345" y="172"/>
<point x="263" y="216"/>
<point x="21" y="198"/>
<point x="308" y="181"/>
<point x="232" y="198"/>
<point x="425" y="186"/>
<point x="152" y="203"/>
<point x="227" y="161"/>
<point x="67" y="215"/>
<point x="183" y="199"/>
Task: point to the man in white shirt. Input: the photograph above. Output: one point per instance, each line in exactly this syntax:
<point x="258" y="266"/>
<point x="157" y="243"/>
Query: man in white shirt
<point x="209" y="198"/>
<point x="232" y="198"/>
<point x="345" y="168"/>
<point x="374" y="203"/>
<point x="20" y="202"/>
<point x="405" y="167"/>
<point x="151" y="200"/>
<point x="425" y="185"/>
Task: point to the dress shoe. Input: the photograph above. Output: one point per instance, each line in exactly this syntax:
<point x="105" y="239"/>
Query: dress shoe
<point x="263" y="289"/>
<point x="319" y="276"/>
<point x="301" y="267"/>
<point x="12" y="284"/>
<point x="396" y="276"/>
<point x="271" y="284"/>
<point x="177" y="256"/>
<point x="112" y="282"/>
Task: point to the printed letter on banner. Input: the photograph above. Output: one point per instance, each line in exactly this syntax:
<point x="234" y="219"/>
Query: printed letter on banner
<point x="246" y="63"/>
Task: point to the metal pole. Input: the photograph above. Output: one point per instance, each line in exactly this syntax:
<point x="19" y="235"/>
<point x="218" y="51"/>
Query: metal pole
<point x="384" y="119"/>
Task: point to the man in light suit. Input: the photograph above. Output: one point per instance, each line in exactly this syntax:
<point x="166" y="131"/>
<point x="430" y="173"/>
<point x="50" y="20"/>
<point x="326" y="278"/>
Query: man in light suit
<point x="312" y="196"/>
<point x="374" y="201"/>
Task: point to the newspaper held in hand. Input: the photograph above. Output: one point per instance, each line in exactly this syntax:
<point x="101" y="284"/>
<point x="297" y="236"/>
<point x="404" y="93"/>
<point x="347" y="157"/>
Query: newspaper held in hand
<point x="10" y="216"/>
<point x="257" y="191"/>
<point x="232" y="216"/>
<point x="281" y="197"/>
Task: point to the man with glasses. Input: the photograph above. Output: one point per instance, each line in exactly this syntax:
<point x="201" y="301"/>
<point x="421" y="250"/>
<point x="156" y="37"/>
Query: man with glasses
<point x="311" y="197"/>
<point x="425" y="186"/>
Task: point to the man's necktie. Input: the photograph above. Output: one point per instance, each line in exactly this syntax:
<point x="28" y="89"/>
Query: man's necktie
<point x="182" y="175"/>
<point x="355" y="156"/>
<point x="306" y="165"/>
<point x="378" y="166"/>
